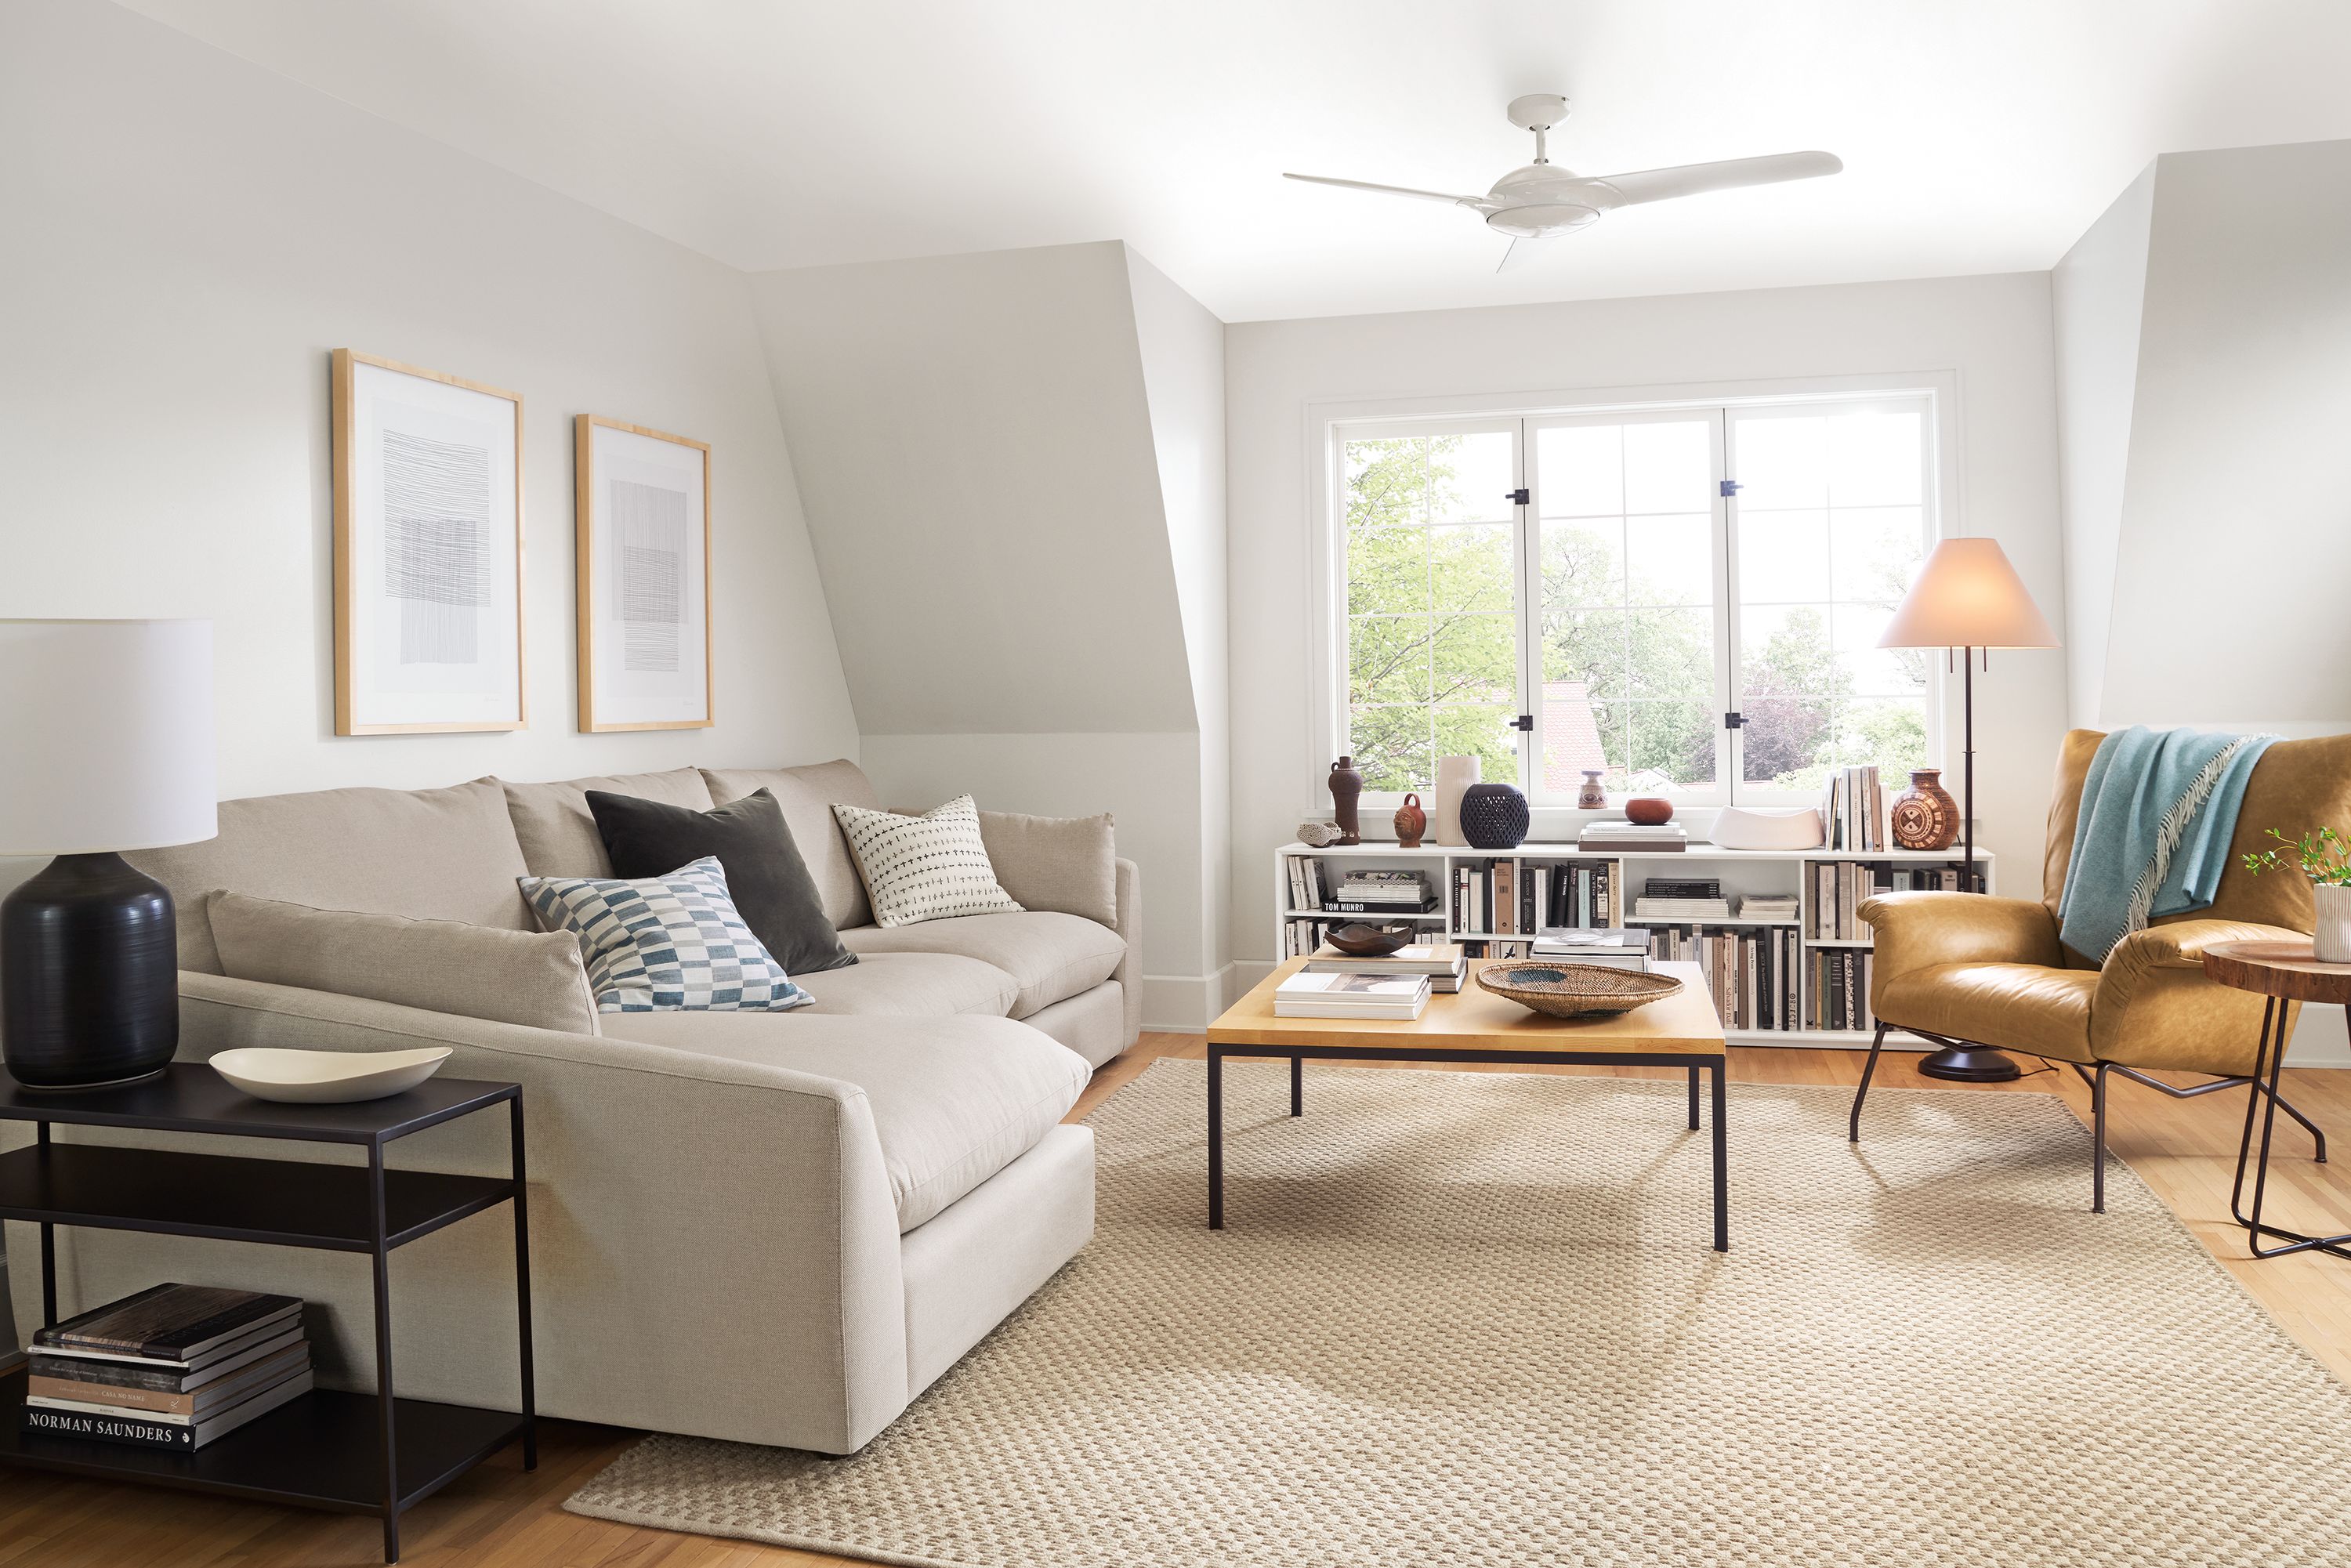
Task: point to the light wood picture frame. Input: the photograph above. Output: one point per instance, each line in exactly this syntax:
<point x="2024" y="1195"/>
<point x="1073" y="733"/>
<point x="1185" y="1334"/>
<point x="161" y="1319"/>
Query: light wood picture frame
<point x="428" y="551"/>
<point x="642" y="532"/>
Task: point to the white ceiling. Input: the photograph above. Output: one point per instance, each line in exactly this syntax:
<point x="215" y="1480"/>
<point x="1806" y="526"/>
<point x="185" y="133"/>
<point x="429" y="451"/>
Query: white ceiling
<point x="1977" y="135"/>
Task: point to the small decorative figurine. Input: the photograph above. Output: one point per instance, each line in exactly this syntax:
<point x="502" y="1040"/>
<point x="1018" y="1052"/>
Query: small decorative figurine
<point x="1411" y="822"/>
<point x="1346" y="789"/>
<point x="1592" y="797"/>
<point x="1649" y="812"/>
<point x="1318" y="835"/>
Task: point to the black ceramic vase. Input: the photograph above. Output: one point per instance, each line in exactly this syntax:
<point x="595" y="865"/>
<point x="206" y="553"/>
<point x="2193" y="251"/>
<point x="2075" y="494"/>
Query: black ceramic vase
<point x="89" y="983"/>
<point x="1493" y="817"/>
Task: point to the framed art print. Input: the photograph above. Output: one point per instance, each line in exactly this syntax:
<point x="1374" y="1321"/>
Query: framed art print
<point x="428" y="551"/>
<point x="643" y="507"/>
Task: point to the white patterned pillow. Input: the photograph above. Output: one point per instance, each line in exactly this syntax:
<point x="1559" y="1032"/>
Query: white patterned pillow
<point x="930" y="867"/>
<point x="664" y="944"/>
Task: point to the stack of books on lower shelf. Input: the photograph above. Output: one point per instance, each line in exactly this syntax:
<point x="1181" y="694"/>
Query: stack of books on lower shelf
<point x="1380" y="893"/>
<point x="1442" y="962"/>
<point x="1616" y="949"/>
<point x="172" y="1367"/>
<point x="1681" y="898"/>
<point x="1351" y="995"/>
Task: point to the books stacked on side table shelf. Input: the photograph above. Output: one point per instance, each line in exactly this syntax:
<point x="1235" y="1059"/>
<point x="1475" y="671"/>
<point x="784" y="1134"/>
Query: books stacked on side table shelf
<point x="1440" y="961"/>
<point x="1616" y="949"/>
<point x="172" y="1367"/>
<point x="1309" y="995"/>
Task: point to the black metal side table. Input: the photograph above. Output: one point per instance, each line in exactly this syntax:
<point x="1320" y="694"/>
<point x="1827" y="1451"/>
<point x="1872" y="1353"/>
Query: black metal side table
<point x="352" y="1453"/>
<point x="2285" y="973"/>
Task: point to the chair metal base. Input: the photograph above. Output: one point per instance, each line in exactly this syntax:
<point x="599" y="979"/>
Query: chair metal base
<point x="2259" y="1090"/>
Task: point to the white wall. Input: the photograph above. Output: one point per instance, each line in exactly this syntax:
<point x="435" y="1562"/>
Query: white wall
<point x="1182" y="347"/>
<point x="2236" y="521"/>
<point x="186" y="237"/>
<point x="1991" y="335"/>
<point x="2096" y="291"/>
<point x="1013" y="469"/>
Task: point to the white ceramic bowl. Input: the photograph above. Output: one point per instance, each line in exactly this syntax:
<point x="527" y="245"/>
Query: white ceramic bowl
<point x="1740" y="828"/>
<point x="327" y="1077"/>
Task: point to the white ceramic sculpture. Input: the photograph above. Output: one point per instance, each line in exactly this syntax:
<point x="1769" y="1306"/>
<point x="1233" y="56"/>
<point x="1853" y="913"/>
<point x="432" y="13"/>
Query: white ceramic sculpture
<point x="1454" y="775"/>
<point x="327" y="1077"/>
<point x="1742" y="828"/>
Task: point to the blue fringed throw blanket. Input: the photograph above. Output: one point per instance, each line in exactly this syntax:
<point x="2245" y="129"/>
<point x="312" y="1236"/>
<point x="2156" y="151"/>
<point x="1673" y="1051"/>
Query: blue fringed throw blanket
<point x="2158" y="809"/>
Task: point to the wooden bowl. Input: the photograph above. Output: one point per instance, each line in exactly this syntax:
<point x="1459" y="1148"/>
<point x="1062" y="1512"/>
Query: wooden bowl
<point x="1575" y="990"/>
<point x="1365" y="940"/>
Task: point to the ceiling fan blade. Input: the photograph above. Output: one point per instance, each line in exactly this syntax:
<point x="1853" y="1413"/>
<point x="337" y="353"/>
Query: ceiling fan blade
<point x="1524" y="250"/>
<point x="1692" y="179"/>
<point x="1390" y="190"/>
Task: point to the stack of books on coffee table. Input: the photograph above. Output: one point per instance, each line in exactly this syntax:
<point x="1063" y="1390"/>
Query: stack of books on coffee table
<point x="1440" y="961"/>
<point x="1307" y="995"/>
<point x="172" y="1367"/>
<point x="1617" y="948"/>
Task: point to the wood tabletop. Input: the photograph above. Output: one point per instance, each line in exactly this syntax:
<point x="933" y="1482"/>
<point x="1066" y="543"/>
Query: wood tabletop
<point x="2288" y="969"/>
<point x="1476" y="1019"/>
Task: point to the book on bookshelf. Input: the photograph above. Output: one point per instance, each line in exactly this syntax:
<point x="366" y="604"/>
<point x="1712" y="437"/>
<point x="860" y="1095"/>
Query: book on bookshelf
<point x="1617" y="948"/>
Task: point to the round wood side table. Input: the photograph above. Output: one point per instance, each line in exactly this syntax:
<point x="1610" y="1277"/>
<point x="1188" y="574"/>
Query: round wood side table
<point x="2284" y="973"/>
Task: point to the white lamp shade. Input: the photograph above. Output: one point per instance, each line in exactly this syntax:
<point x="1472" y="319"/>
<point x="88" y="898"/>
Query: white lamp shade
<point x="1968" y="596"/>
<point x="105" y="736"/>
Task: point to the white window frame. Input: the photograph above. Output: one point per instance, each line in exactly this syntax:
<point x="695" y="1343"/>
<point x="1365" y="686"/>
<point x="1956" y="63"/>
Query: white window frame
<point x="1329" y="425"/>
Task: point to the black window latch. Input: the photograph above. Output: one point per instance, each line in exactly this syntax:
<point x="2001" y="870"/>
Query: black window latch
<point x="1525" y="721"/>
<point x="1518" y="497"/>
<point x="1734" y="721"/>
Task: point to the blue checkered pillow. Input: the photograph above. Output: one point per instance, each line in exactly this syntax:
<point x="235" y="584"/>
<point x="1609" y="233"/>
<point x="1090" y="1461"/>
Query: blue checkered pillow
<point x="664" y="944"/>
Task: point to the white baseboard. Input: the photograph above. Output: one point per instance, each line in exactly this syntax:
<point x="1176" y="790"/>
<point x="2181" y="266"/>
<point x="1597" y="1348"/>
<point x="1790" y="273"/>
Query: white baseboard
<point x="1186" y="1004"/>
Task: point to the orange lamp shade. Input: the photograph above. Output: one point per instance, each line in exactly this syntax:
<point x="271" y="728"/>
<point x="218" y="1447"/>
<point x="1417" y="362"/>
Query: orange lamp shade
<point x="1968" y="596"/>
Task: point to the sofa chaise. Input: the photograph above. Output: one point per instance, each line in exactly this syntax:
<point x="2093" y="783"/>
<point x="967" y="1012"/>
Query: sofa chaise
<point x="771" y="1227"/>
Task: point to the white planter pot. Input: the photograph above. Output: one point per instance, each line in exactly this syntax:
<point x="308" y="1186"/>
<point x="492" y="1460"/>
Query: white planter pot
<point x="2331" y="936"/>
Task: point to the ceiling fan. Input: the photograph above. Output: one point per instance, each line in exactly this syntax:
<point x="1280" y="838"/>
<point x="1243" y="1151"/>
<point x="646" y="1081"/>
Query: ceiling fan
<point x="1541" y="200"/>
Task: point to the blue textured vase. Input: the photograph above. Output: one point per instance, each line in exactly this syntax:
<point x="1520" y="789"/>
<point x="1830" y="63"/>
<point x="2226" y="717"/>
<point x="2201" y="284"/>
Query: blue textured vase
<point x="1493" y="816"/>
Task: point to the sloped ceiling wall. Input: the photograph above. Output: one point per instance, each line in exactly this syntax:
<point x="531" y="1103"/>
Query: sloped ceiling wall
<point x="2233" y="534"/>
<point x="974" y="447"/>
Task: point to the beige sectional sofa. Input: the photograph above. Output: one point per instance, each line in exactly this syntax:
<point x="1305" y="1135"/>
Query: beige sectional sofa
<point x="773" y="1227"/>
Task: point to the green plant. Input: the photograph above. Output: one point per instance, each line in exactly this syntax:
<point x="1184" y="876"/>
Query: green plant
<point x="2325" y="856"/>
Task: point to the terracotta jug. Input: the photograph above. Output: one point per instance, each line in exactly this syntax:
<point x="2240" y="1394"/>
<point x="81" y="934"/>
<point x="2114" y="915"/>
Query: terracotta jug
<point x="1411" y="822"/>
<point x="1925" y="817"/>
<point x="1346" y="789"/>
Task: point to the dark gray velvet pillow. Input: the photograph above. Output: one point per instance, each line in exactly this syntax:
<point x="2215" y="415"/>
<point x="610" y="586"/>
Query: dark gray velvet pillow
<point x="772" y="888"/>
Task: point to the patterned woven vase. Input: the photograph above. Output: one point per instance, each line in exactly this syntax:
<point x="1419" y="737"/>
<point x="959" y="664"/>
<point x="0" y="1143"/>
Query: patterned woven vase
<point x="1925" y="817"/>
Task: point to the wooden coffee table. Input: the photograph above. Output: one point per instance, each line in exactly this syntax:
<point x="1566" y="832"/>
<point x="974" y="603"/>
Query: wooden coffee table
<point x="1476" y="1026"/>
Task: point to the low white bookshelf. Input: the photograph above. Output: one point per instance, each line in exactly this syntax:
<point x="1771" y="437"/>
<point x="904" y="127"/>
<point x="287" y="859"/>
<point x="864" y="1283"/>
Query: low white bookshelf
<point x="1743" y="873"/>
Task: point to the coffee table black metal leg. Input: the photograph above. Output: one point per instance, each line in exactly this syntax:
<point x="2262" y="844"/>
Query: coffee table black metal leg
<point x="1216" y="1139"/>
<point x="1721" y="1160"/>
<point x="522" y="1291"/>
<point x="380" y="1237"/>
<point x="1693" y="1099"/>
<point x="1298" y="1086"/>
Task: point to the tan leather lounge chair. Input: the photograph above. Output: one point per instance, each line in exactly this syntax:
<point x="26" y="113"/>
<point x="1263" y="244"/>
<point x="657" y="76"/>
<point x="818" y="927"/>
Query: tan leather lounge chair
<point x="1966" y="969"/>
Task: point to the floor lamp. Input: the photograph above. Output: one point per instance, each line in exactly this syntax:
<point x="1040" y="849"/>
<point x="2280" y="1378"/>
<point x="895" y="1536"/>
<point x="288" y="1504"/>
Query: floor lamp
<point x="1967" y="599"/>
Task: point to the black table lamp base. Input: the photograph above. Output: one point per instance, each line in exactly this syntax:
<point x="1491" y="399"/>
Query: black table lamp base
<point x="90" y="984"/>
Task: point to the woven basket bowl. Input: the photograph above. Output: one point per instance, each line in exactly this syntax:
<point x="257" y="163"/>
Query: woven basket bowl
<point x="1575" y="990"/>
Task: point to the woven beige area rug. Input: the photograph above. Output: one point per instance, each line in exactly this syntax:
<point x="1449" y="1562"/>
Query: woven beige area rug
<point x="1472" y="1319"/>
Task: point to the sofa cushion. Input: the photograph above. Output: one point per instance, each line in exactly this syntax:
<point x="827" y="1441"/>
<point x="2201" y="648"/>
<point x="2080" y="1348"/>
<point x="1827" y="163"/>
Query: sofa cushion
<point x="1050" y="955"/>
<point x="1068" y="863"/>
<point x="913" y="985"/>
<point x="808" y="796"/>
<point x="557" y="833"/>
<point x="934" y="866"/>
<point x="530" y="977"/>
<point x="431" y="854"/>
<point x="661" y="943"/>
<point x="764" y="871"/>
<point x="955" y="1099"/>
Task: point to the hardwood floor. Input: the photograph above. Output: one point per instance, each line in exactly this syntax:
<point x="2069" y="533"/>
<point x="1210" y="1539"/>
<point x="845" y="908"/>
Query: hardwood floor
<point x="499" y="1517"/>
